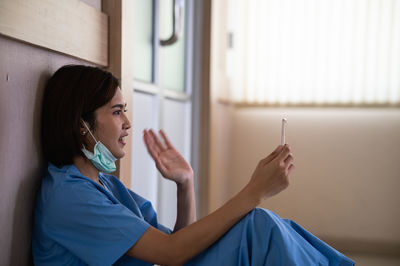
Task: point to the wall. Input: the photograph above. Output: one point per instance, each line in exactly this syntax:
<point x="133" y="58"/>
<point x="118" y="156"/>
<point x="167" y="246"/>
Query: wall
<point x="220" y="149"/>
<point x="345" y="185"/>
<point x="220" y="114"/>
<point x="21" y="164"/>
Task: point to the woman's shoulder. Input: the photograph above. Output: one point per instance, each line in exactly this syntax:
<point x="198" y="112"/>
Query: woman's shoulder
<point x="121" y="188"/>
<point x="65" y="174"/>
<point x="60" y="181"/>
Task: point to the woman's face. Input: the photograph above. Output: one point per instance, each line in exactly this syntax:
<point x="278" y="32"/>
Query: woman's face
<point x="112" y="124"/>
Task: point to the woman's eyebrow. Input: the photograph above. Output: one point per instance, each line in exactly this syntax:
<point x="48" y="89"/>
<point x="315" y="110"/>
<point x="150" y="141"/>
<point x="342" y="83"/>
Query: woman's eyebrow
<point x="120" y="106"/>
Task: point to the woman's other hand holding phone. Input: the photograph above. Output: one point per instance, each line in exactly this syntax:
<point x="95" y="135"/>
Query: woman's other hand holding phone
<point x="271" y="175"/>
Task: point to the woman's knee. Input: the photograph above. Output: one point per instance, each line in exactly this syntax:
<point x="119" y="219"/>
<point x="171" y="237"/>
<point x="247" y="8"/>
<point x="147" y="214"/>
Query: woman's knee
<point x="265" y="213"/>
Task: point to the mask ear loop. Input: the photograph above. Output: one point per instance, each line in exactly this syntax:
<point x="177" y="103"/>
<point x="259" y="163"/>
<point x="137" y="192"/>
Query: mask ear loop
<point x="89" y="131"/>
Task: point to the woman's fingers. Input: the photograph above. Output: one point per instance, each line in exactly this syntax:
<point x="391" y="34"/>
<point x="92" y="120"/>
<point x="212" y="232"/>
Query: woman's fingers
<point x="157" y="141"/>
<point x="155" y="147"/>
<point x="285" y="152"/>
<point x="150" y="145"/>
<point x="285" y="159"/>
<point x="154" y="144"/>
<point x="272" y="174"/>
<point x="272" y="156"/>
<point x="289" y="164"/>
<point x="291" y="168"/>
<point x="289" y="160"/>
<point x="166" y="140"/>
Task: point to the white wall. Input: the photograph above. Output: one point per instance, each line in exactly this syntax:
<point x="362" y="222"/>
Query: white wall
<point x="347" y="174"/>
<point x="345" y="185"/>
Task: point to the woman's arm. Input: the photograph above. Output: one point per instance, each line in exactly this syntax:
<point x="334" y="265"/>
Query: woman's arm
<point x="174" y="167"/>
<point x="186" y="205"/>
<point x="269" y="178"/>
<point x="175" y="249"/>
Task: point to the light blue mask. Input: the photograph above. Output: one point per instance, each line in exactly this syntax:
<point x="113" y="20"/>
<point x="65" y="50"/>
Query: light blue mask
<point x="101" y="157"/>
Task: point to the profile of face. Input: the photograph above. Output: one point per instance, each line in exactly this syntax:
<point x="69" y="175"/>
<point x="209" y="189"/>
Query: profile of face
<point x="111" y="125"/>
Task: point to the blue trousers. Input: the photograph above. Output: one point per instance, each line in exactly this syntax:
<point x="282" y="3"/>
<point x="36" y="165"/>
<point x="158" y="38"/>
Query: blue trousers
<point x="263" y="238"/>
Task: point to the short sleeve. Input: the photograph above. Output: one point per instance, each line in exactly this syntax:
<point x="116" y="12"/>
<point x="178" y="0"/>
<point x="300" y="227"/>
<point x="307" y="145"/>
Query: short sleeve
<point x="89" y="224"/>
<point x="148" y="212"/>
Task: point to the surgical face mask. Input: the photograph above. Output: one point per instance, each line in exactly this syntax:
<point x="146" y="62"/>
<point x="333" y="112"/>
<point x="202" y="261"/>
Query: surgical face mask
<point x="101" y="157"/>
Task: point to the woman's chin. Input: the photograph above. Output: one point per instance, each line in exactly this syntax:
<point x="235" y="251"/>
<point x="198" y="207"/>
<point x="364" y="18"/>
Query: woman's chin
<point x="119" y="154"/>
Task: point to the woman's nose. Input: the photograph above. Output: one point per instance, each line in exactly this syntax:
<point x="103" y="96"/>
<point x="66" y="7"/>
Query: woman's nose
<point x="127" y="124"/>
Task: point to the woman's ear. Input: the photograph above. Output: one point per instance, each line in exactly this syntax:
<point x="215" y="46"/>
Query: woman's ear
<point x="83" y="128"/>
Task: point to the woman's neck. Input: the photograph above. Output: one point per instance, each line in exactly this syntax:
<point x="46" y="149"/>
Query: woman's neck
<point x="86" y="168"/>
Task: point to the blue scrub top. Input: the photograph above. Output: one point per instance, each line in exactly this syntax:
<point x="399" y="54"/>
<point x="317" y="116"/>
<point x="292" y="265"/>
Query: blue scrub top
<point x="78" y="222"/>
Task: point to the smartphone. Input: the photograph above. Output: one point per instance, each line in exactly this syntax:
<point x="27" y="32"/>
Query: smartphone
<point x="283" y="135"/>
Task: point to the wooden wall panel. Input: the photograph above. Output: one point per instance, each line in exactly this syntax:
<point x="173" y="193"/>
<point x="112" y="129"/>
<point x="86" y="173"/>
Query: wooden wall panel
<point x="67" y="26"/>
<point x="24" y="71"/>
<point x="120" y="14"/>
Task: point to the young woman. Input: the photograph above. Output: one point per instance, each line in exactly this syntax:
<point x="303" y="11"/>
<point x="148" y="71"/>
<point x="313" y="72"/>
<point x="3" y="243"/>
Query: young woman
<point x="84" y="216"/>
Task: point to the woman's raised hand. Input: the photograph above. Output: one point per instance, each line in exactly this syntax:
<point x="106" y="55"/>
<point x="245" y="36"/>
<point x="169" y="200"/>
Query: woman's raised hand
<point x="169" y="161"/>
<point x="271" y="175"/>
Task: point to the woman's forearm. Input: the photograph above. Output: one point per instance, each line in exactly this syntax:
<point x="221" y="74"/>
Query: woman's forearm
<point x="186" y="205"/>
<point x="269" y="178"/>
<point x="177" y="248"/>
<point x="203" y="233"/>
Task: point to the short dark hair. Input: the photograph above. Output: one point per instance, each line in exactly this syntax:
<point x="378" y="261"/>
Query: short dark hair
<point x="72" y="93"/>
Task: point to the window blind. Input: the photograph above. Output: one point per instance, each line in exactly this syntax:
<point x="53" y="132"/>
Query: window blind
<point x="314" y="51"/>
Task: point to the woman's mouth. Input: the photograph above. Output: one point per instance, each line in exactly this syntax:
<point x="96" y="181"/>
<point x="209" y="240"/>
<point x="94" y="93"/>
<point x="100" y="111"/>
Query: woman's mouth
<point x="121" y="140"/>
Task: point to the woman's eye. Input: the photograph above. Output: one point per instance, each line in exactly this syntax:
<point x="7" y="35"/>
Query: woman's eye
<point x="125" y="110"/>
<point x="117" y="112"/>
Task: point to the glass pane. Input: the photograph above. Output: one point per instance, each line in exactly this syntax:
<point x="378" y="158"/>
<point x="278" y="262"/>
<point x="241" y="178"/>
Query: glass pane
<point x="143" y="43"/>
<point x="176" y="120"/>
<point x="172" y="57"/>
<point x="144" y="178"/>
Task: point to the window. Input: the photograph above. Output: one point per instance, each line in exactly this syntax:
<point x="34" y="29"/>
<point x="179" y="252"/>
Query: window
<point x="333" y="52"/>
<point x="162" y="96"/>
